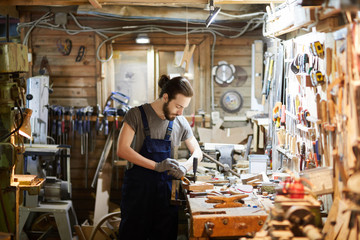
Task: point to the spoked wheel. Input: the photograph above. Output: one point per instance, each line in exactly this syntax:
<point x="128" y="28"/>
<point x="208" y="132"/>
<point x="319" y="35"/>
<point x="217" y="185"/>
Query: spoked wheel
<point x="112" y="222"/>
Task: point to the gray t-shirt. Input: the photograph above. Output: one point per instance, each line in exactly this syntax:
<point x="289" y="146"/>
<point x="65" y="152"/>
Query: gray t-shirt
<point x="181" y="128"/>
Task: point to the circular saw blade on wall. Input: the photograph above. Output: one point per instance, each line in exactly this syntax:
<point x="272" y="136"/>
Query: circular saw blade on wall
<point x="240" y="76"/>
<point x="224" y="73"/>
<point x="231" y="101"/>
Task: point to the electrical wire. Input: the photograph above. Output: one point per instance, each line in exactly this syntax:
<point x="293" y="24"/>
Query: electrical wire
<point x="17" y="128"/>
<point x="215" y="29"/>
<point x="243" y="16"/>
<point x="26" y="38"/>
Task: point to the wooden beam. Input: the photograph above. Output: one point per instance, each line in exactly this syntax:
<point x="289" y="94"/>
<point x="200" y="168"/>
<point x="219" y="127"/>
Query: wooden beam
<point x="99" y="3"/>
<point x="95" y="3"/>
<point x="247" y="1"/>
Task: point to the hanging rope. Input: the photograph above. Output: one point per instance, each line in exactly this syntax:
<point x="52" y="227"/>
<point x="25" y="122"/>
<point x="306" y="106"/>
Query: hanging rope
<point x="187" y="27"/>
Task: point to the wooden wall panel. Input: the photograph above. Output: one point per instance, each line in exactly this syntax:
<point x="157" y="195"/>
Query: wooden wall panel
<point x="237" y="52"/>
<point x="74" y="83"/>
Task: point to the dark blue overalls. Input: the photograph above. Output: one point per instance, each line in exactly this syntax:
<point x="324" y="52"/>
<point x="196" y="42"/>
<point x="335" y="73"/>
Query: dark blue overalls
<point x="145" y="206"/>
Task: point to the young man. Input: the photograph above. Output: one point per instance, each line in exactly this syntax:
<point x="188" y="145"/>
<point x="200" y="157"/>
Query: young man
<point x="147" y="139"/>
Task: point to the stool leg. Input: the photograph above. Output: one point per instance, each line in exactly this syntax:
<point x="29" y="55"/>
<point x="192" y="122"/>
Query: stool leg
<point x="63" y="225"/>
<point x="73" y="214"/>
<point x="24" y="213"/>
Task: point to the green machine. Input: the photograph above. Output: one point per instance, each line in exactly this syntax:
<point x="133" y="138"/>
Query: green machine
<point x="13" y="63"/>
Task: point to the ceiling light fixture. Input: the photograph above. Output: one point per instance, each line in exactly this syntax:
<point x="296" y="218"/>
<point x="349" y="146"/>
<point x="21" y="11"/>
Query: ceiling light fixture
<point x="213" y="13"/>
<point x="142" y="38"/>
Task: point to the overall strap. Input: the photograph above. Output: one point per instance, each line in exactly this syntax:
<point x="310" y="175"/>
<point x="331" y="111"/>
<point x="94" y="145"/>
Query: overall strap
<point x="145" y="122"/>
<point x="168" y="130"/>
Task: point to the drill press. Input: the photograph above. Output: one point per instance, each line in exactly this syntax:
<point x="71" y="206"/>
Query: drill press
<point x="13" y="63"/>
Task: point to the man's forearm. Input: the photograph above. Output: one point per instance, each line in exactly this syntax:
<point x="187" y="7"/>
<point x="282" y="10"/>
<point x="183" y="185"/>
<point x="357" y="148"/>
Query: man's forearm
<point x="131" y="155"/>
<point x="189" y="163"/>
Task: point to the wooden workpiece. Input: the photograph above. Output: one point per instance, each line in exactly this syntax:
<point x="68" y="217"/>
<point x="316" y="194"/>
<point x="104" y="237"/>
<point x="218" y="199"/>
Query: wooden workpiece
<point x="198" y="186"/>
<point x="226" y="222"/>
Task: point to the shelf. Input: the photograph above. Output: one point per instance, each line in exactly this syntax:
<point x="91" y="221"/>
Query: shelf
<point x="285" y="152"/>
<point x="290" y="114"/>
<point x="304" y="129"/>
<point x="313" y="120"/>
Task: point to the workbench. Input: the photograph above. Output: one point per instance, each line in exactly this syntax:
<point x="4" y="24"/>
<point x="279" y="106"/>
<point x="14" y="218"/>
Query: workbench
<point x="208" y="222"/>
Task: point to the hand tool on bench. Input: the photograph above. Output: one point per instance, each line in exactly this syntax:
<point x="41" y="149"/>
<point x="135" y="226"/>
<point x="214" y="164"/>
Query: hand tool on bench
<point x="195" y="165"/>
<point x="226" y="202"/>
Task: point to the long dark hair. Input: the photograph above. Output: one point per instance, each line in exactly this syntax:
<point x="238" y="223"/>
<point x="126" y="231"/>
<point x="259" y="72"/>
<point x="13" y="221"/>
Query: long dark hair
<point x="175" y="86"/>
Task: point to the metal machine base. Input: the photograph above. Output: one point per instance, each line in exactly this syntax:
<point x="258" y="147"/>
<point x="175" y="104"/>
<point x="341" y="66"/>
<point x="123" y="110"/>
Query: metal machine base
<point x="61" y="212"/>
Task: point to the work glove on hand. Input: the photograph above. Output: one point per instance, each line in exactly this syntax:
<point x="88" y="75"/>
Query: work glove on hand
<point x="166" y="165"/>
<point x="178" y="173"/>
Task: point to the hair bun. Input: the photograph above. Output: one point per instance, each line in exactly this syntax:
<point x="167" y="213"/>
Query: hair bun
<point x="163" y="80"/>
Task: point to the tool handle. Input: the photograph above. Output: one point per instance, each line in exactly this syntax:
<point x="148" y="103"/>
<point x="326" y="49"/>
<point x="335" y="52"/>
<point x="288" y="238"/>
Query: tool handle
<point x="97" y="124"/>
<point x="63" y="126"/>
<point x="59" y="128"/>
<point x="88" y="124"/>
<point x="283" y="115"/>
<point x="195" y="165"/>
<point x="80" y="127"/>
<point x="106" y="129"/>
<point x="53" y="129"/>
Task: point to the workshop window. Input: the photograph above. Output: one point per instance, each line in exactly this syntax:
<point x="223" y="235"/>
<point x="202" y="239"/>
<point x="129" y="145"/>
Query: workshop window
<point x="134" y="75"/>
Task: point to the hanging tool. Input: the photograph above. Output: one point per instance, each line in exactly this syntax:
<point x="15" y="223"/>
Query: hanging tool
<point x="317" y="49"/>
<point x="80" y="130"/>
<point x="268" y="58"/>
<point x="315" y="155"/>
<point x="277" y="114"/>
<point x="64" y="48"/>
<point x="63" y="136"/>
<point x="283" y="115"/>
<point x="305" y="114"/>
<point x="72" y="125"/>
<point x="188" y="52"/>
<point x="81" y="53"/>
<point x="59" y="125"/>
<point x="97" y="112"/>
<point x="87" y="112"/>
<point x="103" y="157"/>
<point x="53" y="127"/>
<point x="106" y="123"/>
<point x="302" y="156"/>
<point x="269" y="77"/>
